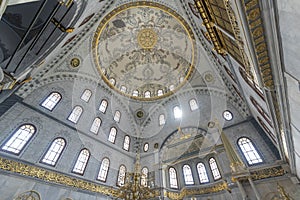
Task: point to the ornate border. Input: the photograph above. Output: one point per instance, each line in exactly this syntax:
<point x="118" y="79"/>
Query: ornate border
<point x="166" y="9"/>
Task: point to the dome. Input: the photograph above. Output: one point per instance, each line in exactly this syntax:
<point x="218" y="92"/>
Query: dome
<point x="144" y="50"/>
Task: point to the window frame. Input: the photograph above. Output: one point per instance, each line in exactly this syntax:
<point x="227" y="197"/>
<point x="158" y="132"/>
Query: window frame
<point x="13" y="133"/>
<point x="119" y="175"/>
<point x="147" y="147"/>
<point x="217" y="167"/>
<point x="48" y="96"/>
<point x="48" y="148"/>
<point x="145" y="177"/>
<point x="84" y="94"/>
<point x="77" y="158"/>
<point x="192" y="106"/>
<point x="103" y="100"/>
<point x="185" y="175"/>
<point x="115" y="137"/>
<point x="255" y="148"/>
<point x="208" y="181"/>
<point x="97" y="178"/>
<point x="98" y="128"/>
<point x="126" y="136"/>
<point x="117" y="118"/>
<point x="160" y="122"/>
<point x="75" y="122"/>
<point x="177" y="184"/>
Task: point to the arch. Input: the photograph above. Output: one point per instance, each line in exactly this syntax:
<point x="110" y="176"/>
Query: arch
<point x="121" y="175"/>
<point x="96" y="125"/>
<point x="249" y="151"/>
<point x="193" y="104"/>
<point x="203" y="178"/>
<point x="135" y="93"/>
<point x="81" y="162"/>
<point x="160" y="92"/>
<point x="19" y="139"/>
<point x="112" y="135"/>
<point x="161" y="119"/>
<point x="54" y="151"/>
<point x="214" y="169"/>
<point x="173" y="178"/>
<point x="103" y="106"/>
<point x="126" y="143"/>
<point x="117" y="116"/>
<point x="102" y="175"/>
<point x="147" y="94"/>
<point x="51" y="101"/>
<point x="187" y="175"/>
<point x="177" y="112"/>
<point x="86" y="95"/>
<point x="75" y="114"/>
<point x="144" y="176"/>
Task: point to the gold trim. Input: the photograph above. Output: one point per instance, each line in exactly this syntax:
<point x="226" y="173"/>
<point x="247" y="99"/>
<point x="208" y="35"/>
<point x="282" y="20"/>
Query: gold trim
<point x="198" y="191"/>
<point x="127" y="6"/>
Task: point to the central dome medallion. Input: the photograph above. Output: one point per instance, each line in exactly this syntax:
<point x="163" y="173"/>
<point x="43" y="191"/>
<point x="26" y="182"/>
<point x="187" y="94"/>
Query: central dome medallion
<point x="144" y="50"/>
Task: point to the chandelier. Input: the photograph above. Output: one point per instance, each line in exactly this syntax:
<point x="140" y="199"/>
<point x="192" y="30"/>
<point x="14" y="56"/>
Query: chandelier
<point x="132" y="188"/>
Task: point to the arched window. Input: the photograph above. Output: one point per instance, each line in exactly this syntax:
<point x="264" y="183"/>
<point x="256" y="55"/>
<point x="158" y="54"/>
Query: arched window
<point x="112" y="81"/>
<point x="19" y="139"/>
<point x="123" y="88"/>
<point x="126" y="143"/>
<point x="103" y="169"/>
<point x="51" y="101"/>
<point x="96" y="125"/>
<point x="187" y="174"/>
<point x="86" y="95"/>
<point x="172" y="87"/>
<point x="135" y="93"/>
<point x="144" y="176"/>
<point x="249" y="151"/>
<point x="214" y="169"/>
<point x="147" y="94"/>
<point x="160" y="92"/>
<point x="81" y="162"/>
<point x="146" y="147"/>
<point x="162" y="119"/>
<point x="121" y="175"/>
<point x="117" y="116"/>
<point x="173" y="178"/>
<point x="177" y="112"/>
<point x="112" y="135"/>
<point x="54" y="152"/>
<point x="75" y="114"/>
<point x="103" y="106"/>
<point x="193" y="104"/>
<point x="202" y="173"/>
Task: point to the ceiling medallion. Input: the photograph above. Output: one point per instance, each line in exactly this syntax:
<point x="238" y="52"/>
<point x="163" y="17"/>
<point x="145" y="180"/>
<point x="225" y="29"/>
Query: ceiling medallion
<point x="147" y="49"/>
<point x="147" y="38"/>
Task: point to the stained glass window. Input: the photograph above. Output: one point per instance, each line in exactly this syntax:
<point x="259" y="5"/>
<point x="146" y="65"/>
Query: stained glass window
<point x="173" y="178"/>
<point x="96" y="125"/>
<point x="214" y="169"/>
<point x="121" y="175"/>
<point x="75" y="114"/>
<point x="86" y="95"/>
<point x="187" y="174"/>
<point x="249" y="151"/>
<point x="19" y="139"/>
<point x="81" y="162"/>
<point x="51" y="101"/>
<point x="54" y="152"/>
<point x="103" y="169"/>
<point x="202" y="173"/>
